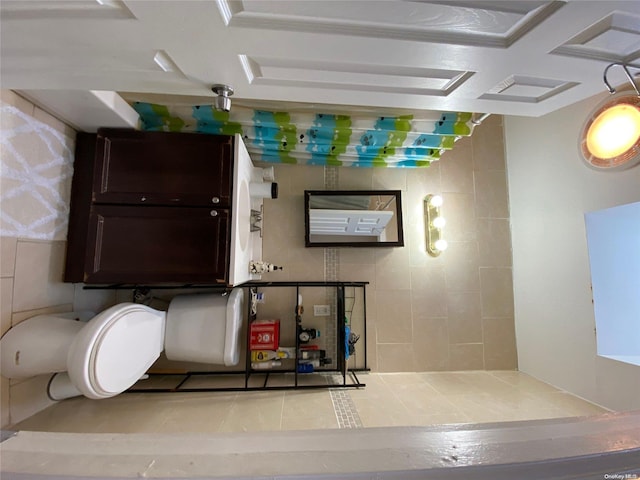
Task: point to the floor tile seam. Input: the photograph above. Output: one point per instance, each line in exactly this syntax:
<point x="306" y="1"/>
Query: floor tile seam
<point x="453" y="409"/>
<point x="438" y="390"/>
<point x="399" y="399"/>
<point x="226" y="420"/>
<point x="282" y="411"/>
<point x="431" y="388"/>
<point x="459" y="410"/>
<point x="416" y="394"/>
<point x="491" y="372"/>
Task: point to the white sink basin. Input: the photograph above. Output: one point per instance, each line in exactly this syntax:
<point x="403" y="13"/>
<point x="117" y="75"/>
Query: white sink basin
<point x="245" y="245"/>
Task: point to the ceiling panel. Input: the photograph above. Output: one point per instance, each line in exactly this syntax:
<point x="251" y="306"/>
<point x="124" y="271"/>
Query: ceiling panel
<point x="518" y="88"/>
<point x="615" y="37"/>
<point x="76" y="9"/>
<point x="352" y="76"/>
<point x="496" y="24"/>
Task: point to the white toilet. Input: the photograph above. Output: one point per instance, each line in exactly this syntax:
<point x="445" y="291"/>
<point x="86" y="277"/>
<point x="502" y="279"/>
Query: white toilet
<point x="108" y="354"/>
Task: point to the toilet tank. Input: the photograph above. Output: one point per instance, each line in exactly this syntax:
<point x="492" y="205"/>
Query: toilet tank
<point x="204" y="328"/>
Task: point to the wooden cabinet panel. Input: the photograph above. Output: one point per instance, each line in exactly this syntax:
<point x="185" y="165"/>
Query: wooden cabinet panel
<point x="144" y="245"/>
<point x="160" y="168"/>
<point x="150" y="208"/>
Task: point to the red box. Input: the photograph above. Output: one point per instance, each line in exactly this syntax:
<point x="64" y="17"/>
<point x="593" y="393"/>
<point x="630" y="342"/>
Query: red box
<point x="264" y="335"/>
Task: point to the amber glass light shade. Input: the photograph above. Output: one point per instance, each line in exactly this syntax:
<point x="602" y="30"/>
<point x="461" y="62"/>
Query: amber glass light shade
<point x="610" y="137"/>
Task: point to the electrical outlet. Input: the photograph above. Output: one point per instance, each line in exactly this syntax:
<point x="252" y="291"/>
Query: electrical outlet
<point x="321" y="310"/>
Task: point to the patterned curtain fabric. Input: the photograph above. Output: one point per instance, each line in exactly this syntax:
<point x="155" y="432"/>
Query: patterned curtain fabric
<point x="358" y="140"/>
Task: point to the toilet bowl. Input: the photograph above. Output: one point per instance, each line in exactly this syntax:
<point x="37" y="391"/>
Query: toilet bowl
<point x="108" y="354"/>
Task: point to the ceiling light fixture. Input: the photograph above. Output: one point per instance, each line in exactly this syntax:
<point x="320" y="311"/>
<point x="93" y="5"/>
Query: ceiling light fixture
<point x="433" y="224"/>
<point x="222" y="101"/>
<point x="610" y="138"/>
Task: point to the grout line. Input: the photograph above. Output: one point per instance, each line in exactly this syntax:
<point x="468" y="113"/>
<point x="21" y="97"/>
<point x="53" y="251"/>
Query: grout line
<point x="331" y="265"/>
<point x="284" y="397"/>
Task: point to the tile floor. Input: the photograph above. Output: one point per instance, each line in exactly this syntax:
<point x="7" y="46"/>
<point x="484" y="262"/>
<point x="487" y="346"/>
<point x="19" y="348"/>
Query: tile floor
<point x="394" y="399"/>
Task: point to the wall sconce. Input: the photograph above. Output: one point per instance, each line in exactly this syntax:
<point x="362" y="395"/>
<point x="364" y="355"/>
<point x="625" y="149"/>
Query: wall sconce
<point x="222" y="101"/>
<point x="610" y="137"/>
<point x="433" y="225"/>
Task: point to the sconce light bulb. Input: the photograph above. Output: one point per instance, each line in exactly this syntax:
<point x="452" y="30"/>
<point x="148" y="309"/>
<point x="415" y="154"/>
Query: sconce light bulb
<point x="439" y="222"/>
<point x="436" y="201"/>
<point x="441" y="245"/>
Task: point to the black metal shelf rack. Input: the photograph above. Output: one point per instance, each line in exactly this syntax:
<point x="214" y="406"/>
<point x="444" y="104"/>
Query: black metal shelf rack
<point x="348" y="377"/>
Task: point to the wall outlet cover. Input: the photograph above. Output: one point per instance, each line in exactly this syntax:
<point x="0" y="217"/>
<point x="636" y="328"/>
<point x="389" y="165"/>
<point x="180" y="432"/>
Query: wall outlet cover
<point x="321" y="310"/>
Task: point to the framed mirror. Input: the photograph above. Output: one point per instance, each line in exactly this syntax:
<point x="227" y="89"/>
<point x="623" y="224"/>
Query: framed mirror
<point x="353" y="218"/>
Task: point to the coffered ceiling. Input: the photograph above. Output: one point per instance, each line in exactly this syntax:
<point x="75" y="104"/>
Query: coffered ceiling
<point x="526" y="57"/>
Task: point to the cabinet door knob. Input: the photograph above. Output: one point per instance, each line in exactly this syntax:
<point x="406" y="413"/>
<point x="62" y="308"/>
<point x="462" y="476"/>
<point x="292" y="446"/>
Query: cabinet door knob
<point x="215" y="200"/>
<point x="143" y="199"/>
<point x="214" y="213"/>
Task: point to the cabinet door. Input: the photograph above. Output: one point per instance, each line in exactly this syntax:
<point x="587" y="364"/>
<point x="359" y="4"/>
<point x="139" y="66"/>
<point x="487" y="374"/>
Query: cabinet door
<point x="162" y="168"/>
<point x="143" y="245"/>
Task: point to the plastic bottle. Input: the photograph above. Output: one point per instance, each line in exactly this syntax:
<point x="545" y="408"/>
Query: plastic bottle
<point x="305" y="368"/>
<point x="263" y="355"/>
<point x="311" y="354"/>
<point x="266" y="365"/>
<point x="315" y="363"/>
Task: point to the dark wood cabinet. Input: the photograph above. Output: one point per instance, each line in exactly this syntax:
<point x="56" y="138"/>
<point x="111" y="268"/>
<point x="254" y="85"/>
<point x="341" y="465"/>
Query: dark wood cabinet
<point x="150" y="208"/>
<point x="129" y="244"/>
<point x="160" y="168"/>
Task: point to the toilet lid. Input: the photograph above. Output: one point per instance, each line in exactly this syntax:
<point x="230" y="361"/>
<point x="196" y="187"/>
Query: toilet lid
<point x="125" y="349"/>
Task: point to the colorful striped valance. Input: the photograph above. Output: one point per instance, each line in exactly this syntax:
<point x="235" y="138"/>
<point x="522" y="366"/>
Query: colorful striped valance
<point x="358" y="140"/>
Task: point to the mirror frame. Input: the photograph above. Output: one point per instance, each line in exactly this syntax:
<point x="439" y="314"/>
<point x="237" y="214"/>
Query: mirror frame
<point x="395" y="193"/>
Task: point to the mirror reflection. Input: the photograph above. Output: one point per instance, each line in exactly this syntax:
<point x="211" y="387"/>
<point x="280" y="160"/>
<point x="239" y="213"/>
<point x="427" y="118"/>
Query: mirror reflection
<point x="355" y="218"/>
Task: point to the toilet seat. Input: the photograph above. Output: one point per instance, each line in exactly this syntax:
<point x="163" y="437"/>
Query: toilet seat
<point x="115" y="349"/>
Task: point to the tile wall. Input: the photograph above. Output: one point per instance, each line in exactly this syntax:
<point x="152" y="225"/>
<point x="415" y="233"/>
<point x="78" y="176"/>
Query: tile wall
<point x="454" y="312"/>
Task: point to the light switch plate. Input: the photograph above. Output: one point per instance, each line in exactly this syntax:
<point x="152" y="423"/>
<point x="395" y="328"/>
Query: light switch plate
<point x="321" y="310"/>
